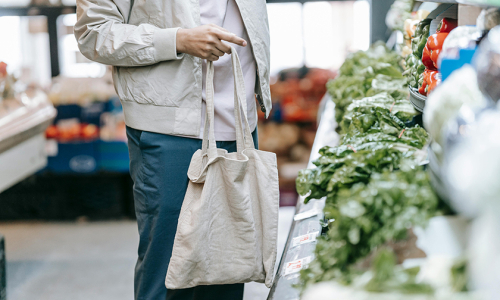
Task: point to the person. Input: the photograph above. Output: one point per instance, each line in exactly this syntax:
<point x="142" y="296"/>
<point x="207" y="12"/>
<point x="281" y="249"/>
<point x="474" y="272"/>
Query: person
<point x="158" y="50"/>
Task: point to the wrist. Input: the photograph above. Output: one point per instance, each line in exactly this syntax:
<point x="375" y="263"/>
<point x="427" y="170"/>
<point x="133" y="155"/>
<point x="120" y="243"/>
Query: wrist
<point x="179" y="40"/>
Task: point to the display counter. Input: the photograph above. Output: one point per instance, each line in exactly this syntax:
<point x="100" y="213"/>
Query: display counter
<point x="22" y="142"/>
<point x="306" y="226"/>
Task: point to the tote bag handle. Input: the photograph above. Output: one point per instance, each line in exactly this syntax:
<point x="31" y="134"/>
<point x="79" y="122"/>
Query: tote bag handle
<point x="243" y="135"/>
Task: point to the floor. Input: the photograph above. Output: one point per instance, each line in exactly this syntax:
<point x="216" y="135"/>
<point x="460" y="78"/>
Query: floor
<point x="85" y="260"/>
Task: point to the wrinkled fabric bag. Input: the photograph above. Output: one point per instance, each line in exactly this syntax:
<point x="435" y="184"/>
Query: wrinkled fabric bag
<point x="227" y="229"/>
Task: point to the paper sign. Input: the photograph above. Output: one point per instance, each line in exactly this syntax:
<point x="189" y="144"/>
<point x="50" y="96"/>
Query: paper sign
<point x="297" y="265"/>
<point x="304" y="239"/>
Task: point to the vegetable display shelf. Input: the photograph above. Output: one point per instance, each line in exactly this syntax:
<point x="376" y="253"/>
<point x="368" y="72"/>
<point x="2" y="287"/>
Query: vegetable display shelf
<point x="300" y="245"/>
<point x="417" y="100"/>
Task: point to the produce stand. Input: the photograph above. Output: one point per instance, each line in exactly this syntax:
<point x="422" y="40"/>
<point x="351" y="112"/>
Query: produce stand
<point x="306" y="224"/>
<point x="309" y="218"/>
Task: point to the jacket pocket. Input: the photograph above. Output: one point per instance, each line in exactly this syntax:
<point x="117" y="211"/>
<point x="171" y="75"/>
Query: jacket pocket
<point x="163" y="84"/>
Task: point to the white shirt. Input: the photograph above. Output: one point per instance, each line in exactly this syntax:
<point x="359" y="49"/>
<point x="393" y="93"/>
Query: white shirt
<point x="226" y="14"/>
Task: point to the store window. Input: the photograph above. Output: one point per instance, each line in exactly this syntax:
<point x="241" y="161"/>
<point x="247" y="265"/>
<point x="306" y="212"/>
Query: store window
<point x="26" y="48"/>
<point x="73" y="63"/>
<point x="317" y="34"/>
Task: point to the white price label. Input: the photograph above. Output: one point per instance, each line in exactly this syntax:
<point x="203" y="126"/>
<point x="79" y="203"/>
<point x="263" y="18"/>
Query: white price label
<point x="315" y="210"/>
<point x="304" y="239"/>
<point x="297" y="265"/>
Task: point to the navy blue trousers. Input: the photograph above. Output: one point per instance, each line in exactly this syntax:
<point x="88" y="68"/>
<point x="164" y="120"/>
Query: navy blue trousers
<point x="158" y="166"/>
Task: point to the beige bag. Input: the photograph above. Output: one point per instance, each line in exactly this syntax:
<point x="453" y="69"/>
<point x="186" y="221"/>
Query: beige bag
<point x="227" y="228"/>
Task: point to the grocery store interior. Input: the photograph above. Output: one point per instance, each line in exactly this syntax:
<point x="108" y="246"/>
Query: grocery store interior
<point x="386" y="128"/>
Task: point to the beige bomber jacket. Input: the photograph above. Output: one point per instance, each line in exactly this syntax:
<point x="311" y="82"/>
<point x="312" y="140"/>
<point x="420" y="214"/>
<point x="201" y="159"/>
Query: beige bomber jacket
<point x="160" y="90"/>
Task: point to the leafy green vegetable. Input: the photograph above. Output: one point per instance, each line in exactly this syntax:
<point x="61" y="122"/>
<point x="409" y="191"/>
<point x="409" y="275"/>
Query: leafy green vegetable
<point x="367" y="73"/>
<point x="366" y="217"/>
<point x="459" y="276"/>
<point x="374" y="191"/>
<point x="341" y="167"/>
<point x="377" y="124"/>
<point x="389" y="277"/>
<point x="401" y="108"/>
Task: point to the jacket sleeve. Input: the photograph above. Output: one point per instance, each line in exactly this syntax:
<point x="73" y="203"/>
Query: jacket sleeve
<point x="104" y="36"/>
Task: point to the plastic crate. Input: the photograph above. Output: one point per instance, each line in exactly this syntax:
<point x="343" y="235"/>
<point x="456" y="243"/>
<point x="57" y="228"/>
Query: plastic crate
<point x="75" y="157"/>
<point x="3" y="271"/>
<point x="113" y="156"/>
<point x="91" y="114"/>
<point x="68" y="111"/>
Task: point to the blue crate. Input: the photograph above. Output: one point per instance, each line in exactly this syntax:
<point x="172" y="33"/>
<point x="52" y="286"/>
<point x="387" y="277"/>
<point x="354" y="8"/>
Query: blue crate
<point x="68" y="111"/>
<point x="114" y="105"/>
<point x="91" y="114"/>
<point x="113" y="156"/>
<point x="75" y="157"/>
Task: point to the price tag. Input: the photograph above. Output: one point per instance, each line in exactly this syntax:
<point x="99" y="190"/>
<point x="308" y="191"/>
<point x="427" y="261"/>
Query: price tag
<point x="297" y="265"/>
<point x="304" y="239"/>
<point x="315" y="210"/>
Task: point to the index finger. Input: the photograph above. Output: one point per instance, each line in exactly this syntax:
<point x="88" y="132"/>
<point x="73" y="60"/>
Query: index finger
<point x="232" y="38"/>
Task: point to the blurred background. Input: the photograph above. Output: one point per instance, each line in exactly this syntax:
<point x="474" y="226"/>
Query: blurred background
<point x="66" y="205"/>
<point x="67" y="220"/>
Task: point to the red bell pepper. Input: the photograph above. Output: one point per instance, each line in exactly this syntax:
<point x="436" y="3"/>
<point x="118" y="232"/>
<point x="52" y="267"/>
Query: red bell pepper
<point x="429" y="83"/>
<point x="426" y="59"/>
<point x="446" y="25"/>
<point x="433" y="49"/>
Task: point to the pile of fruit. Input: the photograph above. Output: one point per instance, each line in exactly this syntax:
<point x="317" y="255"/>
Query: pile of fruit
<point x="72" y="130"/>
<point x="297" y="93"/>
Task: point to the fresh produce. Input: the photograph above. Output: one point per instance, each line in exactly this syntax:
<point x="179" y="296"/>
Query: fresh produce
<point x="400" y="107"/>
<point x="52" y="132"/>
<point x="433" y="49"/>
<point x="414" y="65"/>
<point x="420" y="37"/>
<point x="422" y="63"/>
<point x="374" y="140"/>
<point x="72" y="131"/>
<point x="297" y="94"/>
<point x="374" y="190"/>
<point x="368" y="216"/>
<point x="343" y="166"/>
<point x="3" y="69"/>
<point x="410" y="26"/>
<point x="358" y="73"/>
<point x="446" y="25"/>
<point x="430" y="80"/>
<point x="400" y="10"/>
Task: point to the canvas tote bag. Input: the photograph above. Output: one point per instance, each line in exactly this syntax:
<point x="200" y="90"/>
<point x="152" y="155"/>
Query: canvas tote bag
<point x="227" y="228"/>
